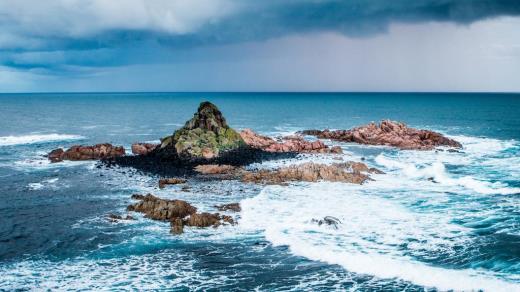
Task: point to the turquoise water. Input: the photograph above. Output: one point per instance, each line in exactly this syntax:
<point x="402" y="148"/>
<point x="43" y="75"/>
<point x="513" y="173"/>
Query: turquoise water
<point x="400" y="231"/>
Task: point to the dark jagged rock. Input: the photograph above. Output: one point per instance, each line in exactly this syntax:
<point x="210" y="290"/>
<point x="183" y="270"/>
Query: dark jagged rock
<point x="79" y="152"/>
<point x="388" y="133"/>
<point x="115" y="218"/>
<point x="170" y="181"/>
<point x="164" y="165"/>
<point x="235" y="207"/>
<point x="328" y="220"/>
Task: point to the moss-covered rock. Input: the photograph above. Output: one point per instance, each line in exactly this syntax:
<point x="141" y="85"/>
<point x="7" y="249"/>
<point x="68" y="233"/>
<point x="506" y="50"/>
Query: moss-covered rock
<point x="206" y="135"/>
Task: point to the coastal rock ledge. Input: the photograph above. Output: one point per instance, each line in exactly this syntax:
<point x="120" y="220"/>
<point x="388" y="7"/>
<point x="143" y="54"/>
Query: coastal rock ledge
<point x="80" y="152"/>
<point x="288" y="144"/>
<point x="390" y="133"/>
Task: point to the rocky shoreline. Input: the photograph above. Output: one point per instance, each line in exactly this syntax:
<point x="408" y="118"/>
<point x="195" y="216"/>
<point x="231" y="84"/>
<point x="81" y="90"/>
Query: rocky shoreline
<point x="207" y="148"/>
<point x="388" y="133"/>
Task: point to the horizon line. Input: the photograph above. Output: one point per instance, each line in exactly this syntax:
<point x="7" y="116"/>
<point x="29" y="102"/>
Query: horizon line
<point x="263" y="92"/>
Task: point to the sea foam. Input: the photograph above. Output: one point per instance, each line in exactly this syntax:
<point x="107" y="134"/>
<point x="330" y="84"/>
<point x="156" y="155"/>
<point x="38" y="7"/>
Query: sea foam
<point x="480" y="160"/>
<point x="377" y="236"/>
<point x="36" y="138"/>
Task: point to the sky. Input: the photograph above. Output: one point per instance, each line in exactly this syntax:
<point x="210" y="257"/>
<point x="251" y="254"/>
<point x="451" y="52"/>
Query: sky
<point x="251" y="45"/>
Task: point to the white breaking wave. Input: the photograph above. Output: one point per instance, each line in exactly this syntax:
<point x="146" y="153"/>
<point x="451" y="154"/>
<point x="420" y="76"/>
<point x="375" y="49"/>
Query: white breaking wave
<point x="42" y="184"/>
<point x="480" y="156"/>
<point x="372" y="238"/>
<point x="36" y="138"/>
<point x="437" y="171"/>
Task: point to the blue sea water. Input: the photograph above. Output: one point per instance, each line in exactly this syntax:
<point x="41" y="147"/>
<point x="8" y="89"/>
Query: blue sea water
<point x="401" y="231"/>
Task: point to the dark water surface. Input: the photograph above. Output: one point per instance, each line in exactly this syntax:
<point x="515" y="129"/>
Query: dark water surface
<point x="401" y="231"/>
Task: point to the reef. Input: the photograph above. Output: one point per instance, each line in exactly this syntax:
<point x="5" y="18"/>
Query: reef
<point x="80" y="152"/>
<point x="389" y="133"/>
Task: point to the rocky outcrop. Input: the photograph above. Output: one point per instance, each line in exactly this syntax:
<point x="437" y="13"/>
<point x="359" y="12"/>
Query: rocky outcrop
<point x="207" y="220"/>
<point x="180" y="213"/>
<point x="79" y="152"/>
<point x="143" y="148"/>
<point x="170" y="181"/>
<point x="161" y="209"/>
<point x="351" y="172"/>
<point x="309" y="172"/>
<point x="288" y="144"/>
<point x="204" y="139"/>
<point x="388" y="133"/>
<point x="327" y="220"/>
<point x="116" y="218"/>
<point x="215" y="168"/>
<point x="235" y="207"/>
<point x="206" y="135"/>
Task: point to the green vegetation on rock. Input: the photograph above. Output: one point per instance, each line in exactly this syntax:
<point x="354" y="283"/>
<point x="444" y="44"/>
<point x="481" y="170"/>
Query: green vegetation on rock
<point x="206" y="135"/>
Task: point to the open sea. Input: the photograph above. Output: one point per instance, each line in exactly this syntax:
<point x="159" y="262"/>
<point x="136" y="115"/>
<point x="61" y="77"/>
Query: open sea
<point x="435" y="221"/>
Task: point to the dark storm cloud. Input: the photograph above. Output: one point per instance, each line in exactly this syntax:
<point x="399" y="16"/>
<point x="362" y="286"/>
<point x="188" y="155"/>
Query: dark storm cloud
<point x="114" y="32"/>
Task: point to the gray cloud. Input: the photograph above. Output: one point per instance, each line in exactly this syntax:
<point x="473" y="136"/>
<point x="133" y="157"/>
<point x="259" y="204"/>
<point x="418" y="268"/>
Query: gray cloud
<point x="77" y="37"/>
<point x="34" y="24"/>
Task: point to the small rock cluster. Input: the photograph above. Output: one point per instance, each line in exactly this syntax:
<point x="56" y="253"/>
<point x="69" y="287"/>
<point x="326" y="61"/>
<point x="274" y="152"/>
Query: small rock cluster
<point x="180" y="213"/>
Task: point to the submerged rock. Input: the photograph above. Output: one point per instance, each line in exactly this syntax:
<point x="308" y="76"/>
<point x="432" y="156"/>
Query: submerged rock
<point x="143" y="148"/>
<point x="289" y="144"/>
<point x="79" y="152"/>
<point x="309" y="172"/>
<point x="115" y="218"/>
<point x="328" y="220"/>
<point x="171" y="181"/>
<point x="207" y="135"/>
<point x="235" y="207"/>
<point x="388" y="133"/>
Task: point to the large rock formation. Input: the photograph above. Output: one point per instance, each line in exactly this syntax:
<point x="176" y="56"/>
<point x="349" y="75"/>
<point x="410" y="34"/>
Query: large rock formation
<point x="204" y="139"/>
<point x="388" y="133"/>
<point x="349" y="172"/>
<point x="288" y="144"/>
<point x="79" y="152"/>
<point x="206" y="135"/>
<point x="180" y="213"/>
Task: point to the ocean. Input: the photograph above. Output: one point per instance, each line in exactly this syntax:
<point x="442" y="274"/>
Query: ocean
<point x="435" y="221"/>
